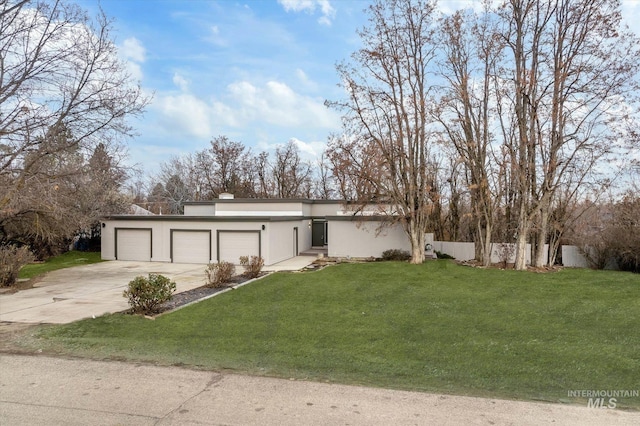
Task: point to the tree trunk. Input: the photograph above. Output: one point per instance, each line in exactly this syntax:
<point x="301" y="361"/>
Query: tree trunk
<point x="540" y="258"/>
<point x="541" y="239"/>
<point x="554" y="246"/>
<point x="486" y="255"/>
<point x="524" y="224"/>
<point x="416" y="236"/>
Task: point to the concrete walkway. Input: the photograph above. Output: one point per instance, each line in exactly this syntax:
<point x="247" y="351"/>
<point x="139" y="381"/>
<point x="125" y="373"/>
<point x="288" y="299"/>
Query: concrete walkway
<point x="72" y="294"/>
<point x="294" y="264"/>
<point x="38" y="390"/>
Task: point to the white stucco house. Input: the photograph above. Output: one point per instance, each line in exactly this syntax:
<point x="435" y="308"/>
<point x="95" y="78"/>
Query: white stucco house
<point x="227" y="228"/>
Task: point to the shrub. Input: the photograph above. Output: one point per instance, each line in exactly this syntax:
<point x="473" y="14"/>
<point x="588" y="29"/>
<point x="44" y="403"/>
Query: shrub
<point x="442" y="255"/>
<point x="396" y="254"/>
<point x="12" y="258"/>
<point x="146" y="294"/>
<point x="253" y="266"/>
<point x="218" y="274"/>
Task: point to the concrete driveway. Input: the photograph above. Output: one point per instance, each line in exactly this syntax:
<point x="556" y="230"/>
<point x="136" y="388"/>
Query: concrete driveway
<point x="68" y="295"/>
<point x="72" y="294"/>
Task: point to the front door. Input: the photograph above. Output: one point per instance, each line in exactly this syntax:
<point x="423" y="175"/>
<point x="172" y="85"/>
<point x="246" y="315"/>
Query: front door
<point x="318" y="234"/>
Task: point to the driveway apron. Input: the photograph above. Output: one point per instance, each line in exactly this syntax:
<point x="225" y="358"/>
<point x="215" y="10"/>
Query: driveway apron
<point x="67" y="295"/>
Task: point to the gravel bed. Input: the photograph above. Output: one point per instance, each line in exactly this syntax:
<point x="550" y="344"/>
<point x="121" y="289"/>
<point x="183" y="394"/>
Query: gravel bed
<point x="185" y="297"/>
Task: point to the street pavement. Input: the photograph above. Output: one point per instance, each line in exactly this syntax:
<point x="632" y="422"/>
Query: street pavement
<point x="39" y="390"/>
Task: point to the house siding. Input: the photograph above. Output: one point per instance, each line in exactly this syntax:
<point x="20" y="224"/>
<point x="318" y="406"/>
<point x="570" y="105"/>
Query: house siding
<point x="361" y="239"/>
<point x="161" y="231"/>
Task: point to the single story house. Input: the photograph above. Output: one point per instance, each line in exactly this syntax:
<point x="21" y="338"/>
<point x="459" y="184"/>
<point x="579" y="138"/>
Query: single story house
<point x="227" y="228"/>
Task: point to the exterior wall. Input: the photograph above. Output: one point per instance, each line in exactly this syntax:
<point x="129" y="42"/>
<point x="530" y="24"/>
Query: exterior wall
<point x="159" y="250"/>
<point x="304" y="235"/>
<point x="324" y="209"/>
<point x="280" y="238"/>
<point x="359" y="239"/>
<point x="161" y="229"/>
<point x="199" y="210"/>
<point x="258" y="209"/>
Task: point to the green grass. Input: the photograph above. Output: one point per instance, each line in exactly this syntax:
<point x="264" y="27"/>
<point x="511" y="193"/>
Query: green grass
<point x="435" y="327"/>
<point x="66" y="260"/>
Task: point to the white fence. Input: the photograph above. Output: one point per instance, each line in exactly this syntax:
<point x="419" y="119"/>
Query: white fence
<point x="466" y="251"/>
<point x="572" y="257"/>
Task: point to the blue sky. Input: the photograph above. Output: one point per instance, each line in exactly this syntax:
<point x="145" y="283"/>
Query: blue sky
<point x="257" y="71"/>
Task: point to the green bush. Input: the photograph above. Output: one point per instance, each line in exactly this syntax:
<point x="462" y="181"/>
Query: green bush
<point x="12" y="258"/>
<point x="396" y="254"/>
<point x="253" y="266"/>
<point x="219" y="274"/>
<point x="146" y="294"/>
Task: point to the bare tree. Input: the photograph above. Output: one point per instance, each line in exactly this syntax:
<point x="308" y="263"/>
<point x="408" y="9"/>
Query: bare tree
<point x="573" y="66"/>
<point x="181" y="181"/>
<point x="291" y="175"/>
<point x="227" y="166"/>
<point x="471" y="52"/>
<point x="63" y="91"/>
<point x="265" y="182"/>
<point x="323" y="182"/>
<point x="387" y="115"/>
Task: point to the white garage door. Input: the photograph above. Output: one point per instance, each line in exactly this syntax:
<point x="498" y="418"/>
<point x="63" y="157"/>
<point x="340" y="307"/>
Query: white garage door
<point x="232" y="245"/>
<point x="191" y="246"/>
<point x="133" y="244"/>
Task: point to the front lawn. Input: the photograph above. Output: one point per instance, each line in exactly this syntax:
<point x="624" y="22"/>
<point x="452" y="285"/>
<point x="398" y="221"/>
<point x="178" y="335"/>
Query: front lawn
<point x="435" y="327"/>
<point x="65" y="260"/>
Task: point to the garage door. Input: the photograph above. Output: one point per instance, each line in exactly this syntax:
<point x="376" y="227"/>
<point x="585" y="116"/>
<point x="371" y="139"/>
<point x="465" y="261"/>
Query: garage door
<point x="190" y="246"/>
<point x="233" y="244"/>
<point x="133" y="244"/>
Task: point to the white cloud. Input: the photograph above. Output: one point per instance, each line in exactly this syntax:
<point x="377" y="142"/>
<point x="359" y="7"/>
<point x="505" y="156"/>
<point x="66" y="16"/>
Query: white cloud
<point x="185" y="114"/>
<point x="313" y="149"/>
<point x="133" y="53"/>
<point x="450" y="6"/>
<point x="309" y="151"/>
<point x="273" y="106"/>
<point x="181" y="82"/>
<point x="309" y="6"/>
<point x="132" y="49"/>
<point x="215" y="36"/>
<point x="277" y="104"/>
<point x="305" y="80"/>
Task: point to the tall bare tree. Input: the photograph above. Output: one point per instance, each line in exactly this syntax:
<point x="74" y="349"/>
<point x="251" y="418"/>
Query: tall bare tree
<point x="63" y="91"/>
<point x="291" y="175"/>
<point x="387" y="116"/>
<point x="471" y="53"/>
<point x="573" y="66"/>
<point x="233" y="167"/>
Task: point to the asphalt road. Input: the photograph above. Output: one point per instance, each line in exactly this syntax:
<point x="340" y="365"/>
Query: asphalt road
<point x="39" y="390"/>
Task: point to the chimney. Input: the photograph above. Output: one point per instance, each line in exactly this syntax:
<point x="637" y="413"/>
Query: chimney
<point x="225" y="196"/>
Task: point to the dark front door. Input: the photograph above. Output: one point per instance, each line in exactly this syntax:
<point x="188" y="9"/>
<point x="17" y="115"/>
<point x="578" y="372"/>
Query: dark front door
<point x="317" y="234"/>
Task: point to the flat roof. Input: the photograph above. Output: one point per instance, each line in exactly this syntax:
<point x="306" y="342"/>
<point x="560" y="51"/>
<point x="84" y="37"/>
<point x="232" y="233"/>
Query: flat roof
<point x="265" y="200"/>
<point x="182" y="218"/>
